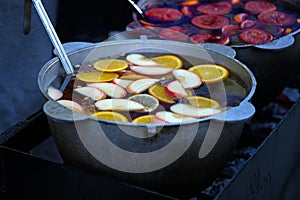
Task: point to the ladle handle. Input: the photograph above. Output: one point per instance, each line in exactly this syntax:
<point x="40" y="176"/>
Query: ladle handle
<point x="53" y="36"/>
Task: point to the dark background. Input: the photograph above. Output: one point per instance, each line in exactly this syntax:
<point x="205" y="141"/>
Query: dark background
<point x="22" y="56"/>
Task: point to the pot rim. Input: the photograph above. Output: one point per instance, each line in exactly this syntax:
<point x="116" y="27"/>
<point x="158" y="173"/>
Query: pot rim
<point x="79" y="116"/>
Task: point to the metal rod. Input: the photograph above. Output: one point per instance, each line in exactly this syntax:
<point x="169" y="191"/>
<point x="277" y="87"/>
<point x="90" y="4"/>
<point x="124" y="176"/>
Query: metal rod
<point x="53" y="36"/>
<point x="137" y="8"/>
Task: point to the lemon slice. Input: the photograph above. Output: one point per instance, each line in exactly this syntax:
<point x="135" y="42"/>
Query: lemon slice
<point x="110" y="65"/>
<point x="210" y="73"/>
<point x="113" y="116"/>
<point x="203" y="102"/>
<point x="146" y="119"/>
<point x="149" y="102"/>
<point x="97" y="76"/>
<point x="170" y="61"/>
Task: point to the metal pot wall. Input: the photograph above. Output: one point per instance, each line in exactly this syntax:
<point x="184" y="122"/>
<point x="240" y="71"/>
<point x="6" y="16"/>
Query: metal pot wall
<point x="153" y="156"/>
<point x="273" y="63"/>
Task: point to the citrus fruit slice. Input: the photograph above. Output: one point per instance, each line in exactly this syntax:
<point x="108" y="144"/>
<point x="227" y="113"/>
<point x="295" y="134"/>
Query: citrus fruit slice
<point x="110" y="65"/>
<point x="203" y="102"/>
<point x="132" y="76"/>
<point x="210" y="22"/>
<point x="170" y="61"/>
<point x="255" y="36"/>
<point x="163" y="14"/>
<point x="149" y="102"/>
<point x="215" y="8"/>
<point x="158" y="91"/>
<point x="259" y="6"/>
<point x="97" y="76"/>
<point x="209" y="38"/>
<point x="277" y="18"/>
<point x="146" y="119"/>
<point x="176" y="33"/>
<point x="210" y="73"/>
<point x="113" y="116"/>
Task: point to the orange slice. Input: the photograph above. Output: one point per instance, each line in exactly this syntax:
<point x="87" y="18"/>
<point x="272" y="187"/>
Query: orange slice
<point x="203" y="102"/>
<point x="113" y="116"/>
<point x="158" y="91"/>
<point x="110" y="65"/>
<point x="170" y="61"/>
<point x="97" y="76"/>
<point x="146" y="119"/>
<point x="210" y="73"/>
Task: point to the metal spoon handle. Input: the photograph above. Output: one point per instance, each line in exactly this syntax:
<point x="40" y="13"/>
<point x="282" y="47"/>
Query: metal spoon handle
<point x="53" y="36"/>
<point x="136" y="7"/>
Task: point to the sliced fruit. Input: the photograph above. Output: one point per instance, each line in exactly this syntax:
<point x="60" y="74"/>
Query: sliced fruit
<point x="72" y="105"/>
<point x="113" y="116"/>
<point x="152" y="71"/>
<point x="97" y="76"/>
<point x="155" y="120"/>
<point x="215" y="8"/>
<point x="171" y="117"/>
<point x="255" y="36"/>
<point x="210" y="22"/>
<point x="176" y="33"/>
<point x="209" y="38"/>
<point x="190" y="3"/>
<point x="146" y="119"/>
<point x="149" y="102"/>
<point x="230" y="29"/>
<point x="240" y="17"/>
<point x="187" y="79"/>
<point x="139" y="59"/>
<point x="110" y="89"/>
<point x="110" y="65"/>
<point x="248" y="24"/>
<point x="141" y="85"/>
<point x="175" y="89"/>
<point x="188" y="11"/>
<point x="159" y="92"/>
<point x="122" y="82"/>
<point x="118" y="105"/>
<point x="170" y="61"/>
<point x="203" y="102"/>
<point x="132" y="76"/>
<point x="91" y="92"/>
<point x="210" y="73"/>
<point x="192" y="111"/>
<point x="54" y="93"/>
<point x="163" y="14"/>
<point x="259" y="6"/>
<point x="277" y="18"/>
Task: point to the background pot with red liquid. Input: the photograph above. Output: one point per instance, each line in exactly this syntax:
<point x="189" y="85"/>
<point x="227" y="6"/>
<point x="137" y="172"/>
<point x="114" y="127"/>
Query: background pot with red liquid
<point x="264" y="34"/>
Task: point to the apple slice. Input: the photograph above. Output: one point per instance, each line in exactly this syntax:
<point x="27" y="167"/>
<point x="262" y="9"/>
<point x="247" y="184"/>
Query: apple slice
<point x="186" y="78"/>
<point x="152" y="71"/>
<point x="139" y="59"/>
<point x="118" y="105"/>
<point x="192" y="111"/>
<point x="72" y="105"/>
<point x="171" y="117"/>
<point x="175" y="89"/>
<point x="110" y="89"/>
<point x="122" y="82"/>
<point x="141" y="85"/>
<point x="92" y="92"/>
<point x="54" y="93"/>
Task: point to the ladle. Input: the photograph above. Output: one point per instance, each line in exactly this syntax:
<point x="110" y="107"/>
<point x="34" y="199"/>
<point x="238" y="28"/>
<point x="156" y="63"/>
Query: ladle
<point x="53" y="37"/>
<point x="137" y="8"/>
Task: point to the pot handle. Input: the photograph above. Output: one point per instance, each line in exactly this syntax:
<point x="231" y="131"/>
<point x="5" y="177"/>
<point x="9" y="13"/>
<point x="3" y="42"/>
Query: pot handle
<point x="243" y="112"/>
<point x="278" y="44"/>
<point x="218" y="48"/>
<point x="73" y="46"/>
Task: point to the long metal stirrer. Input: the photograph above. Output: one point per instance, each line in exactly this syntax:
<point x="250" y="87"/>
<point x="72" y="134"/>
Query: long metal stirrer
<point x="53" y="36"/>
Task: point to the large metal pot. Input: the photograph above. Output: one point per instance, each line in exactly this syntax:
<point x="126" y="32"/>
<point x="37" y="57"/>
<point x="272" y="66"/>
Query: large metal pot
<point x="273" y="63"/>
<point x="153" y="156"/>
